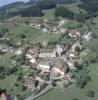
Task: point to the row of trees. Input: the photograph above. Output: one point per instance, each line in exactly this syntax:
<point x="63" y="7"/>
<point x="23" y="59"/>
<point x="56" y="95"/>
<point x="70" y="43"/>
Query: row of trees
<point x="3" y="31"/>
<point x="32" y="8"/>
<point x="53" y="1"/>
<point x="91" y="6"/>
<point x="64" y="12"/>
<point x="27" y="12"/>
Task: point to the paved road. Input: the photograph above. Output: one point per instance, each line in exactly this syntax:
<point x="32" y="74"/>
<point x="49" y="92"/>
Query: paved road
<point x="32" y="97"/>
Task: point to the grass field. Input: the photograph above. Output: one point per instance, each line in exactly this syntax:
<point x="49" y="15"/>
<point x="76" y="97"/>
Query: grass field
<point x="48" y="13"/>
<point x="21" y="29"/>
<point x="8" y="82"/>
<point x="5" y="59"/>
<point x="74" y="8"/>
<point x="74" y="92"/>
<point x="31" y="34"/>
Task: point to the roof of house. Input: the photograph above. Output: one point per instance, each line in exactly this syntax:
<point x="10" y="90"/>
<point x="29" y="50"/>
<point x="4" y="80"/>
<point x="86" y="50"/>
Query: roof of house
<point x="46" y="50"/>
<point x="33" y="51"/>
<point x="30" y="81"/>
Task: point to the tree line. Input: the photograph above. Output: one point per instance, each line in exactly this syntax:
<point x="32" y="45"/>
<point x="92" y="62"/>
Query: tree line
<point x="64" y="12"/>
<point x="31" y="8"/>
<point x="91" y="6"/>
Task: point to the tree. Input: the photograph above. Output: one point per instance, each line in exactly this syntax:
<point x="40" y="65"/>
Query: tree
<point x="91" y="93"/>
<point x="77" y="49"/>
<point x="77" y="65"/>
<point x="92" y="56"/>
<point x="27" y="22"/>
<point x="46" y="4"/>
<point x="3" y="31"/>
<point x="63" y="12"/>
<point x="82" y="81"/>
<point x="19" y="97"/>
<point x="23" y="36"/>
<point x="75" y="99"/>
<point x="82" y="77"/>
<point x="2" y="72"/>
<point x="20" y="59"/>
<point x="30" y="11"/>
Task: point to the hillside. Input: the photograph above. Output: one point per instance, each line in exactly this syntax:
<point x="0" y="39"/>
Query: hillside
<point x="25" y="9"/>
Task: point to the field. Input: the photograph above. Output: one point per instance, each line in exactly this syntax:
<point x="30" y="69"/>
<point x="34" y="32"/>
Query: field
<point x="8" y="82"/>
<point x="48" y="13"/>
<point x="31" y="35"/>
<point x="5" y="59"/>
<point x="73" y="92"/>
<point x="74" y="8"/>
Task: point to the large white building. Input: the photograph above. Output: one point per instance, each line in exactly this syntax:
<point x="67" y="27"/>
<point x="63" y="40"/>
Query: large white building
<point x="59" y="50"/>
<point x="47" y="53"/>
<point x="87" y="36"/>
<point x="44" y="67"/>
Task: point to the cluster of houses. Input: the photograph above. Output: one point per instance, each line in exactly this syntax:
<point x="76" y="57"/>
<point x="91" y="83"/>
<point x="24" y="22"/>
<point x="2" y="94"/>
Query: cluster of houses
<point x="42" y="59"/>
<point x="74" y="33"/>
<point x="58" y="61"/>
<point x="61" y="56"/>
<point x="48" y="26"/>
<point x="57" y="27"/>
<point x="62" y="59"/>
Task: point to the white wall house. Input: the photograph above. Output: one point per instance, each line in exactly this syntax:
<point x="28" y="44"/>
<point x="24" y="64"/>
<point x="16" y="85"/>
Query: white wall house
<point x="33" y="61"/>
<point x="59" y="50"/>
<point x="43" y="67"/>
<point x="87" y="36"/>
<point x="47" y="54"/>
<point x="72" y="35"/>
<point x="44" y="30"/>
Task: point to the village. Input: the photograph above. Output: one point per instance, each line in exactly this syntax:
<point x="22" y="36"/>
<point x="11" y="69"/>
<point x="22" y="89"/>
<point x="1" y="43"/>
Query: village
<point x="47" y="66"/>
<point x="49" y="50"/>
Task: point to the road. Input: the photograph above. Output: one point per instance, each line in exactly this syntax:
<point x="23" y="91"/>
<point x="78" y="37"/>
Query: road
<point x="49" y="87"/>
<point x="32" y="97"/>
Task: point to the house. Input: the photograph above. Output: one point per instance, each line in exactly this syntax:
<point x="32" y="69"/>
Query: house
<point x="87" y="36"/>
<point x="62" y="30"/>
<point x="71" y="53"/>
<point x="33" y="61"/>
<point x="77" y="44"/>
<point x="4" y="48"/>
<point x="59" y="50"/>
<point x="61" y="22"/>
<point x="74" y="33"/>
<point x="54" y="29"/>
<point x="38" y="26"/>
<point x="44" y="53"/>
<point x="30" y="83"/>
<point x="71" y="65"/>
<point x="59" y="72"/>
<point x="45" y="43"/>
<point x="69" y="76"/>
<point x="32" y="53"/>
<point x="44" y="66"/>
<point x="19" y="51"/>
<point x="44" y="30"/>
<point x="45" y="20"/>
